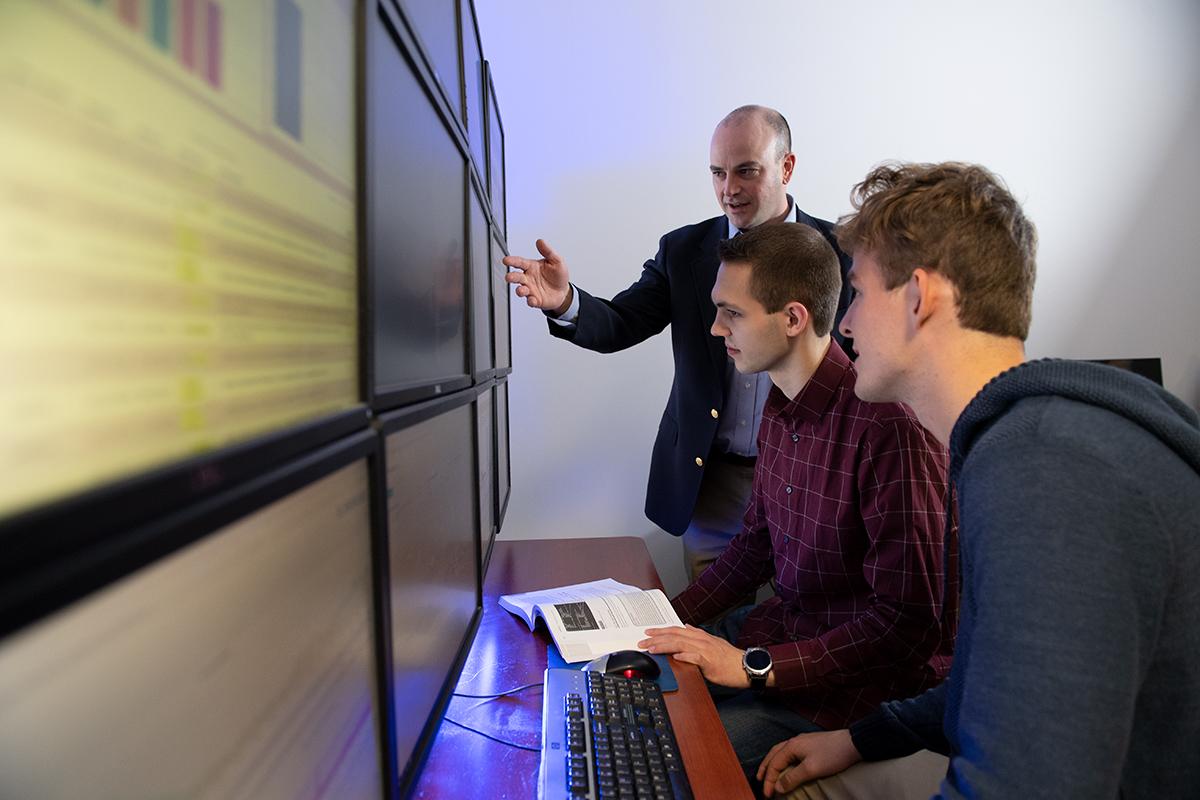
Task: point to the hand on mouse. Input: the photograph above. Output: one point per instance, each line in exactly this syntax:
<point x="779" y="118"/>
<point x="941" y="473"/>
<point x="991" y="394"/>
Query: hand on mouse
<point x="718" y="660"/>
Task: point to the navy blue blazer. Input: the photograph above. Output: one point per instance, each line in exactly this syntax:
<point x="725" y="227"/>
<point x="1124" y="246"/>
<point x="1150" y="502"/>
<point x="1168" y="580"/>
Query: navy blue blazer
<point x="676" y="289"/>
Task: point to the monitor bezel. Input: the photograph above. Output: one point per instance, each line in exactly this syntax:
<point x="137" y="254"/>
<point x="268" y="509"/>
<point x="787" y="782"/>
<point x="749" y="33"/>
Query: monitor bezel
<point x="387" y="425"/>
<point x="504" y="295"/>
<point x="503" y="493"/>
<point x="397" y="33"/>
<point x="483" y="364"/>
<point x="493" y="111"/>
<point x="467" y="7"/>
<point x="487" y="449"/>
<point x="34" y="540"/>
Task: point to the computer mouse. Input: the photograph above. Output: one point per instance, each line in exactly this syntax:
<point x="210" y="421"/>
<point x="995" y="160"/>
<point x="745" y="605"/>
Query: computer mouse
<point x="626" y="663"/>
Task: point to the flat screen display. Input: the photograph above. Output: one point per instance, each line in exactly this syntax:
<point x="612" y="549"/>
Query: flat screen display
<point x="503" y="460"/>
<point x="481" y="290"/>
<point x="436" y="22"/>
<point x="417" y="258"/>
<point x="475" y="99"/>
<point x="502" y="332"/>
<point x="178" y="229"/>
<point x="433" y="535"/>
<point x="486" y="407"/>
<point x="496" y="158"/>
<point x="242" y="665"/>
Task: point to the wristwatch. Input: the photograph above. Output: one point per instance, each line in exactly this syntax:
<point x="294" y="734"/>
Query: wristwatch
<point x="757" y="663"/>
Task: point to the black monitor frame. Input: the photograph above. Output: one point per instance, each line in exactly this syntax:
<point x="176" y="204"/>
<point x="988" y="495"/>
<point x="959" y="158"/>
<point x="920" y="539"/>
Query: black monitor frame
<point x="394" y="26"/>
<point x="387" y="424"/>
<point x="34" y="542"/>
<point x="469" y="29"/>
<point x="42" y="589"/>
<point x="502" y="491"/>
<point x="449" y="95"/>
<point x="486" y="453"/>
<point x="501" y="293"/>
<point x="498" y="204"/>
<point x="483" y="357"/>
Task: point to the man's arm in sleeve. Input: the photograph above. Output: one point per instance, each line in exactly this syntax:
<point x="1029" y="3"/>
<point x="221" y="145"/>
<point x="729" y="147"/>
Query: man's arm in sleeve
<point x="631" y="317"/>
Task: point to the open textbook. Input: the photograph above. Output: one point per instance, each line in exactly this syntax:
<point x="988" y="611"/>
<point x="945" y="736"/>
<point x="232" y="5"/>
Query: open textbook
<point x="587" y="620"/>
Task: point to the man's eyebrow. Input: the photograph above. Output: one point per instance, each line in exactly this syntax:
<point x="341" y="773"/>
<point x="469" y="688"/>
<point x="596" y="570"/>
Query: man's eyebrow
<point x="743" y="165"/>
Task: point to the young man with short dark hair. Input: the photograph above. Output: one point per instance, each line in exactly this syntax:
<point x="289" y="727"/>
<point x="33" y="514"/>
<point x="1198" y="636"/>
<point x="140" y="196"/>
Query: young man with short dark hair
<point x="846" y="515"/>
<point x="1077" y="667"/>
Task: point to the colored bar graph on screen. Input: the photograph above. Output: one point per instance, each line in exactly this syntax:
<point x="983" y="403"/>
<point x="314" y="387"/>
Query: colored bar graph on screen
<point x="160" y="24"/>
<point x="187" y="34"/>
<point x="212" y="51"/>
<point x="127" y="10"/>
<point x="287" y="66"/>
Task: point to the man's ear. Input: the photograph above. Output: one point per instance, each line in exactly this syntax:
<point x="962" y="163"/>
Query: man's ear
<point x="789" y="165"/>
<point x="927" y="293"/>
<point x="796" y="318"/>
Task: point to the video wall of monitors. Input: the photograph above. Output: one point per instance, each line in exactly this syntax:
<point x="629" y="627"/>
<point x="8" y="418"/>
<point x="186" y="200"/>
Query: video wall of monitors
<point x="256" y="352"/>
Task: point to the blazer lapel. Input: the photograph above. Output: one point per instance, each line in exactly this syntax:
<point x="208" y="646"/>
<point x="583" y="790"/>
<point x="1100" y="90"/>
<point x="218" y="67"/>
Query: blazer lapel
<point x="704" y="273"/>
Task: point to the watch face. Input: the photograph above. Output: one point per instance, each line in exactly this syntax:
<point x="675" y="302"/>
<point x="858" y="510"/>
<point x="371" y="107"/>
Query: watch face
<point x="758" y="659"/>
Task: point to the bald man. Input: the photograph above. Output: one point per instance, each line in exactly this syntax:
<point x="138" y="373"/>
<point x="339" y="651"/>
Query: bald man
<point x="703" y="459"/>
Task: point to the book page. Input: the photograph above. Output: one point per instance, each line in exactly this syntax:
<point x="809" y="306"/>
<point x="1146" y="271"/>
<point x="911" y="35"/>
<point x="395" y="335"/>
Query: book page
<point x="525" y="604"/>
<point x="639" y="609"/>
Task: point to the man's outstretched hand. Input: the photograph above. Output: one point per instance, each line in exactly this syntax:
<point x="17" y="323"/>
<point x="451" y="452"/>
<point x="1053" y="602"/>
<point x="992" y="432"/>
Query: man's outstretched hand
<point x="544" y="282"/>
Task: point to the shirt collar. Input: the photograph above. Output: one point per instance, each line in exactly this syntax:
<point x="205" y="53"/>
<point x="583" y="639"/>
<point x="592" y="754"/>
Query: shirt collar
<point x="792" y="216"/>
<point x="815" y="398"/>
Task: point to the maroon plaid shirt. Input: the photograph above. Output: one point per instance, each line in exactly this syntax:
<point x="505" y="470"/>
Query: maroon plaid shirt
<point x="848" y="515"/>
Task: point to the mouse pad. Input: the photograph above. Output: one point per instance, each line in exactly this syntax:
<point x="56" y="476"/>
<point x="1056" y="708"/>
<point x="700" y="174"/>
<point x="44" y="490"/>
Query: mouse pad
<point x="666" y="679"/>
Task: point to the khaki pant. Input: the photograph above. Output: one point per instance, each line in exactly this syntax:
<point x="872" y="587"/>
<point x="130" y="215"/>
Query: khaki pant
<point x="915" y="777"/>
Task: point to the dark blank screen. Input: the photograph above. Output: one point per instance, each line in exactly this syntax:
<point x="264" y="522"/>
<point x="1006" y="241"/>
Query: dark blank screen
<point x="481" y="288"/>
<point x="500" y="309"/>
<point x="416" y="180"/>
<point x="433" y="508"/>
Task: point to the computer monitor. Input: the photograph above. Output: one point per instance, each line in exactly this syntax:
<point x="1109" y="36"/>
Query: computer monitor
<point x="503" y="458"/>
<point x="229" y="653"/>
<point x="482" y="351"/>
<point x="433" y="562"/>
<point x="474" y="96"/>
<point x="1150" y="368"/>
<point x="501" y="318"/>
<point x="486" y="449"/>
<point x="180" y="265"/>
<point x="496" y="157"/>
<point x="416" y="178"/>
<point x="436" y="23"/>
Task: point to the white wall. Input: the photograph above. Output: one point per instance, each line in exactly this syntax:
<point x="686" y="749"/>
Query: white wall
<point x="1089" y="110"/>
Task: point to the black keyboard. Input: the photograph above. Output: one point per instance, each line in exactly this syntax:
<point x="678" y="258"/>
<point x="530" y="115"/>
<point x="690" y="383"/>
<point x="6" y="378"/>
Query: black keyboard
<point x="605" y="736"/>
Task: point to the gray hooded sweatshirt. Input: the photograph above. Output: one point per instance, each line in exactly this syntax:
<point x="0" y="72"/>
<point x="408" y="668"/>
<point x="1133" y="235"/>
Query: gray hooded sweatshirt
<point x="1077" y="667"/>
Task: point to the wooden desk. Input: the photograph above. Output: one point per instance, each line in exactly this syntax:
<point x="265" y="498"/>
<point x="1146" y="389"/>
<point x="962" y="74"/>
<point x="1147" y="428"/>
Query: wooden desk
<point x="505" y="654"/>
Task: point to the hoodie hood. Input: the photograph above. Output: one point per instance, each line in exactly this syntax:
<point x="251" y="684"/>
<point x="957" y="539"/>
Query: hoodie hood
<point x="1135" y="398"/>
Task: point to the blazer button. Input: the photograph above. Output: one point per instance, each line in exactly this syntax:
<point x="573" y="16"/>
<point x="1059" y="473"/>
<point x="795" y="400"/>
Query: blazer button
<point x="788" y="490"/>
<point x="795" y="437"/>
<point x="699" y="461"/>
<point x="714" y="413"/>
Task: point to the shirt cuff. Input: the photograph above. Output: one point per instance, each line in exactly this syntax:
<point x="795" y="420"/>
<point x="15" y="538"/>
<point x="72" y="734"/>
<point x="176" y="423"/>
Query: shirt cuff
<point x="571" y="315"/>
<point x="875" y="738"/>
